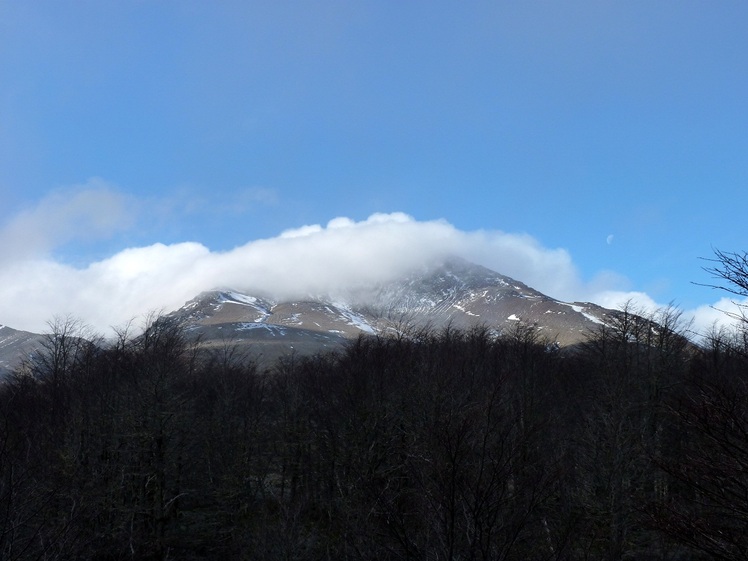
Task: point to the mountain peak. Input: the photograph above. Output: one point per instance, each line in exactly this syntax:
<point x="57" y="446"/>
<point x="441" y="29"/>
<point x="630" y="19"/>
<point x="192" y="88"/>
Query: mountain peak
<point x="455" y="292"/>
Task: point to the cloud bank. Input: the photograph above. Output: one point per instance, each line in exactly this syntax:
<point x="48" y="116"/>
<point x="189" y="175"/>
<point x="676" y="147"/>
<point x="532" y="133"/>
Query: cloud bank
<point x="314" y="259"/>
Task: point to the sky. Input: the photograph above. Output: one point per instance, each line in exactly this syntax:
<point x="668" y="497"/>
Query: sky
<point x="149" y="150"/>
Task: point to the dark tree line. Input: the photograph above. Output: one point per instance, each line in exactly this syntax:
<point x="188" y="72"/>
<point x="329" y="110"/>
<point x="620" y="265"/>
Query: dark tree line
<point x="432" y="446"/>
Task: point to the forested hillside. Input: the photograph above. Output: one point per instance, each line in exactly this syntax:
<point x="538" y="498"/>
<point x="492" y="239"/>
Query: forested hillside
<point x="431" y="446"/>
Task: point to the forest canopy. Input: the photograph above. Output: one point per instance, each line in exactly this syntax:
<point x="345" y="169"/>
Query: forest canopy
<point x="446" y="445"/>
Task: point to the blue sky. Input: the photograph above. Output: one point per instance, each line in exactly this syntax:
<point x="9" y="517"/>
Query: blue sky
<point x="609" y="136"/>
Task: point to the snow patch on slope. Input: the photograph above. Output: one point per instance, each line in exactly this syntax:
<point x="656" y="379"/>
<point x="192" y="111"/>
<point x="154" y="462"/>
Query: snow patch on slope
<point x="354" y="319"/>
<point x="581" y="310"/>
<point x="238" y="298"/>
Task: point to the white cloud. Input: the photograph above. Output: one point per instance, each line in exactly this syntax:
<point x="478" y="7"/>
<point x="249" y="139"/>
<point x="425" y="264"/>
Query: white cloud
<point x="86" y="212"/>
<point x="313" y="259"/>
<point x="699" y="321"/>
<point x="724" y="312"/>
<point x="616" y="300"/>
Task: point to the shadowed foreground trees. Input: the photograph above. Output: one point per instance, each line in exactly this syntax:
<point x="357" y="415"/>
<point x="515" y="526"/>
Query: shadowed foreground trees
<point x="709" y="465"/>
<point x="708" y="462"/>
<point x="442" y="446"/>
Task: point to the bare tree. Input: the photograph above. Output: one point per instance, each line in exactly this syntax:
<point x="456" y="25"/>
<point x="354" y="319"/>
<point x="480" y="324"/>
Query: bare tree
<point x="730" y="269"/>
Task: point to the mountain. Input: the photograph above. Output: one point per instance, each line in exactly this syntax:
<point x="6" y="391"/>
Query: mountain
<point x="456" y="293"/>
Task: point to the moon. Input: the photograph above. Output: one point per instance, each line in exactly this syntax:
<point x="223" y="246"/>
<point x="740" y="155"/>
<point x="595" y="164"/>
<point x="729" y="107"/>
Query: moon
<point x="609" y="239"/>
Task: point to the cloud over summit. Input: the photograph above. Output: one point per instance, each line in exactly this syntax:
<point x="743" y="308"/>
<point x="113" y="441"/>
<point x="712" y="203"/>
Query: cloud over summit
<point x="315" y="259"/>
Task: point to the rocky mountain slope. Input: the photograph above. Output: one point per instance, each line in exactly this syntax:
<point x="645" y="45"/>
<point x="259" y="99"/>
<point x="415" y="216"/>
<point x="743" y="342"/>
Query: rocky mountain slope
<point x="456" y="293"/>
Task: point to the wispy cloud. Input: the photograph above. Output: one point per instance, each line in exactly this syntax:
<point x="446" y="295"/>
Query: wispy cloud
<point x="310" y="260"/>
<point x="87" y="212"/>
<point x="187" y="203"/>
<point x="251" y="198"/>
